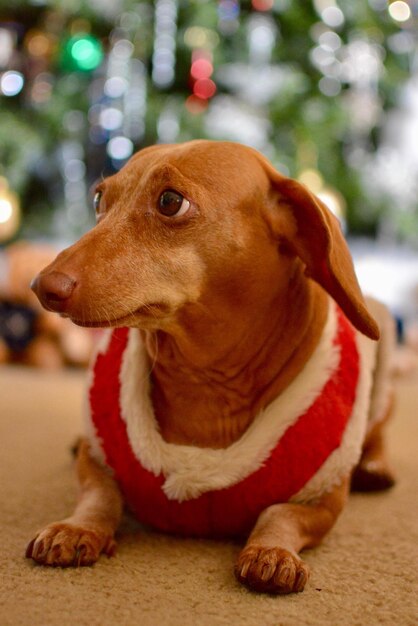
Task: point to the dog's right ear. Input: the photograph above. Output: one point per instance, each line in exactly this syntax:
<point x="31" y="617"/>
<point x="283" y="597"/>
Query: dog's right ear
<point x="314" y="234"/>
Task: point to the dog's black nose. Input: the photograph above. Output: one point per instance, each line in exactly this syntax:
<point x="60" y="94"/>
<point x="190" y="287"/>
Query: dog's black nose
<point x="53" y="290"/>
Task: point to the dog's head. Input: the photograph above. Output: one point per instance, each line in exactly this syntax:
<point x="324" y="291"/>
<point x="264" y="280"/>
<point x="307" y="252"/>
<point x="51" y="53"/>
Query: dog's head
<point x="184" y="224"/>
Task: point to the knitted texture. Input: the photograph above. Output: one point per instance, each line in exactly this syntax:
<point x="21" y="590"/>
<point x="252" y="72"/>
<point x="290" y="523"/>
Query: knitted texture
<point x="298" y="455"/>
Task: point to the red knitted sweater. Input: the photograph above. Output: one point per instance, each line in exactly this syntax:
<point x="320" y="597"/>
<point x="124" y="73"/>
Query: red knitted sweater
<point x="303" y="459"/>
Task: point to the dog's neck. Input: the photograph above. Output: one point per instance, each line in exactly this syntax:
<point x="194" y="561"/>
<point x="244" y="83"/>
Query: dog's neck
<point x="218" y="369"/>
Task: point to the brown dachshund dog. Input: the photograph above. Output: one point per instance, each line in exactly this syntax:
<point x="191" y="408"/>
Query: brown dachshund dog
<point x="249" y="389"/>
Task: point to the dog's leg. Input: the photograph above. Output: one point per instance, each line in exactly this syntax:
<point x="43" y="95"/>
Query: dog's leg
<point x="373" y="473"/>
<point x="270" y="562"/>
<point x="81" y="538"/>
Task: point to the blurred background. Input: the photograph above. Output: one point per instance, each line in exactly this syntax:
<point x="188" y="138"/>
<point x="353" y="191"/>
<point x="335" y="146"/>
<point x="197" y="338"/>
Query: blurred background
<point x="327" y="90"/>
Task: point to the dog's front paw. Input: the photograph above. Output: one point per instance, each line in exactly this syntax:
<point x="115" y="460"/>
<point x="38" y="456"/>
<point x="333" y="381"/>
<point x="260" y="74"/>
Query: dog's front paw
<point x="271" y="570"/>
<point x="66" y="544"/>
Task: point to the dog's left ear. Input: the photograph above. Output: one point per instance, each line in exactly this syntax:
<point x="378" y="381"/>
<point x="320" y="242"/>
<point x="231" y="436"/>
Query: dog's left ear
<point x="315" y="236"/>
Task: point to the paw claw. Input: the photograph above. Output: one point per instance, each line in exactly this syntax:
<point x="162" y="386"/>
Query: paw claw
<point x="271" y="570"/>
<point x="285" y="577"/>
<point x="301" y="580"/>
<point x="29" y="549"/>
<point x="39" y="551"/>
<point x="244" y="569"/>
<point x="66" y="544"/>
<point x="267" y="572"/>
<point x="110" y="549"/>
<point x="79" y="554"/>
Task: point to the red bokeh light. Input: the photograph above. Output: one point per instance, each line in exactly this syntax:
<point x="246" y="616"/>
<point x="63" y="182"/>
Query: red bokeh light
<point x="195" y="105"/>
<point x="204" y="88"/>
<point x="262" y="5"/>
<point x="201" y="68"/>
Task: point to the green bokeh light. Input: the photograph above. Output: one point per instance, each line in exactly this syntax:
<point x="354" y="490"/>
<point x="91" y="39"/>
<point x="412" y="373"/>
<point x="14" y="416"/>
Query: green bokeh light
<point x="83" y="52"/>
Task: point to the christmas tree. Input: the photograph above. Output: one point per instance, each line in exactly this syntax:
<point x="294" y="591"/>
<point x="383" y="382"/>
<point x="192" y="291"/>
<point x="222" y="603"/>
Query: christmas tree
<point x="313" y="85"/>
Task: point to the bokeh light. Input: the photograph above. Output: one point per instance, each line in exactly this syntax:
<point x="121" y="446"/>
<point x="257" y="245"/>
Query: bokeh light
<point x="9" y="211"/>
<point x="120" y="148"/>
<point x="262" y="5"/>
<point x="111" y="118"/>
<point x="399" y="11"/>
<point x="201" y="37"/>
<point x="83" y="52"/>
<point x="196" y="105"/>
<point x="204" y="88"/>
<point x="201" y="68"/>
<point x="11" y="83"/>
<point x="333" y="16"/>
<point x="6" y="210"/>
<point x="115" y="86"/>
<point x="37" y="43"/>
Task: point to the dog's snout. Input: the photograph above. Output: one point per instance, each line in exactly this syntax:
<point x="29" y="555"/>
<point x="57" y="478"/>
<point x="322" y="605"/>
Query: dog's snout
<point x="53" y="289"/>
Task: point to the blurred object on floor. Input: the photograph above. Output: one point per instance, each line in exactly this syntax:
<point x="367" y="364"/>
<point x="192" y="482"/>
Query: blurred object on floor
<point x="406" y="357"/>
<point x="389" y="273"/>
<point x="29" y="334"/>
<point x="405" y="360"/>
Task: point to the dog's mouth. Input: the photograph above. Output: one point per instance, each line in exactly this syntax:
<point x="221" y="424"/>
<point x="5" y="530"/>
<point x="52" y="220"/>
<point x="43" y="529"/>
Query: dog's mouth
<point x="146" y="313"/>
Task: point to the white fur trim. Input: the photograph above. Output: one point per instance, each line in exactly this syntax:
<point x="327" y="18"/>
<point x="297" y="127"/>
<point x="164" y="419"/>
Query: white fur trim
<point x="90" y="432"/>
<point x="191" y="471"/>
<point x="342" y="460"/>
<point x="383" y="384"/>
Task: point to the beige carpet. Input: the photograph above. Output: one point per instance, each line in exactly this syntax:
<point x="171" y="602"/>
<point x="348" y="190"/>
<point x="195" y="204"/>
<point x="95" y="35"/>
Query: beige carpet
<point x="365" y="573"/>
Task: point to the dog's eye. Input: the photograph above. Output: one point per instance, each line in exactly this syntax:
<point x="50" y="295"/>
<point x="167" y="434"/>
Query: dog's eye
<point x="172" y="204"/>
<point x="96" y="201"/>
